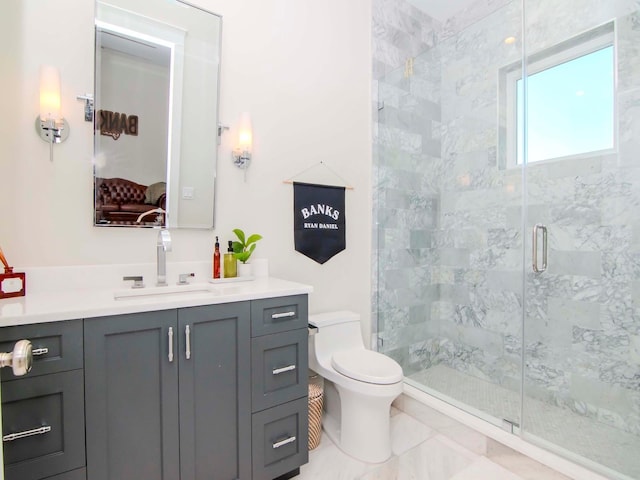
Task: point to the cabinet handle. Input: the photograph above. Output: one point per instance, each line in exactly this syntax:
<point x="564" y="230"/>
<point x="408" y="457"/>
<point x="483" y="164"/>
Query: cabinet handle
<point x="170" y="344"/>
<point x="276" y="316"/>
<point x="284" y="442"/>
<point x="187" y="334"/>
<point x="40" y="351"/>
<point x="27" y="433"/>
<point x="288" y="368"/>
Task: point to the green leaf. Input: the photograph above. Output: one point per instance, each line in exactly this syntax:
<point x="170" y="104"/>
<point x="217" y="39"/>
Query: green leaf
<point x="242" y="256"/>
<point x="237" y="247"/>
<point x="240" y="234"/>
<point x="254" y="238"/>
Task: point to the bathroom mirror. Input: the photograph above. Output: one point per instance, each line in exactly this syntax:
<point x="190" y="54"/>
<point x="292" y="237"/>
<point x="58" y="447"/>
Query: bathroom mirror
<point x="155" y="114"/>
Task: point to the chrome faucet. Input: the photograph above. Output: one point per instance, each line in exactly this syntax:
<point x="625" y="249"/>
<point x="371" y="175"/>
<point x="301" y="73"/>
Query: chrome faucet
<point x="162" y="247"/>
<point x="158" y="211"/>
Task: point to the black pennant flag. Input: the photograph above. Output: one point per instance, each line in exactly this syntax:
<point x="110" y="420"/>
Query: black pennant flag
<point x="319" y="220"/>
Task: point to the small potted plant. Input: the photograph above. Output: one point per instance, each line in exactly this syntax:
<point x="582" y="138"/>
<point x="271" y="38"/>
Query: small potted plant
<point x="242" y="250"/>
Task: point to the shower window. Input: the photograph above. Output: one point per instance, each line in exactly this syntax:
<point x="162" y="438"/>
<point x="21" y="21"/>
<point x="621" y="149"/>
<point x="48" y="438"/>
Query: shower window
<point x="570" y="101"/>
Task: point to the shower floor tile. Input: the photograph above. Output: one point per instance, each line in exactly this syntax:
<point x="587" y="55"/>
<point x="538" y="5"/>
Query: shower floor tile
<point x="585" y="436"/>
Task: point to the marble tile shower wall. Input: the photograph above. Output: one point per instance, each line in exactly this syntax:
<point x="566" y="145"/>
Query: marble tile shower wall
<point x="447" y="243"/>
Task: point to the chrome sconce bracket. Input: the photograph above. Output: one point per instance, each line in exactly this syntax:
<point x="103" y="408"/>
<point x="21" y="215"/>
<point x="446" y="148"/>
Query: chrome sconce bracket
<point x="52" y="131"/>
<point x="241" y="158"/>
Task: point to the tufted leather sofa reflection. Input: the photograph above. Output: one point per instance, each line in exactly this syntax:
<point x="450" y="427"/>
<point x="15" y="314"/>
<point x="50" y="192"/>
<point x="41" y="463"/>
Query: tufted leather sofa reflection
<point x="121" y="201"/>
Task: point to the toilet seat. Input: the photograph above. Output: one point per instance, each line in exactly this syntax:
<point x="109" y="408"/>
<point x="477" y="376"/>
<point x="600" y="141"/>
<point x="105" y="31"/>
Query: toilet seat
<point x="367" y="366"/>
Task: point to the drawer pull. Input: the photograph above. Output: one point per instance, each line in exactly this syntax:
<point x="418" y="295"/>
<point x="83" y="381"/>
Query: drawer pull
<point x="170" y="344"/>
<point x="276" y="316"/>
<point x="27" y="433"/>
<point x="284" y="442"/>
<point x="187" y="334"/>
<point x="40" y="351"/>
<point x="288" y="368"/>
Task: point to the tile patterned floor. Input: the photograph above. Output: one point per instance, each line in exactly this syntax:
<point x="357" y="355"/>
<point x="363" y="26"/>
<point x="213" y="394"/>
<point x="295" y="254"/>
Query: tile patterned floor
<point x="422" y="452"/>
<point x="585" y="436"/>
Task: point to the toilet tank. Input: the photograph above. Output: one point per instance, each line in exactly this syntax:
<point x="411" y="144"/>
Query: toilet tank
<point x="336" y="331"/>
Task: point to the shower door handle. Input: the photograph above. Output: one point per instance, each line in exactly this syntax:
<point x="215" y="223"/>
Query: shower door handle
<point x="536" y="268"/>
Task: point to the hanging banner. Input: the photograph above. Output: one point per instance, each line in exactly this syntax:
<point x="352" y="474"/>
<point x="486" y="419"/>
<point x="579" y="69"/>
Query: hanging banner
<point x="318" y="220"/>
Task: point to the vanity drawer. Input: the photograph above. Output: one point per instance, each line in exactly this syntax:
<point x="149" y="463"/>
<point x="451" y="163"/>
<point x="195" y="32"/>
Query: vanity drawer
<point x="79" y="474"/>
<point x="279" y="365"/>
<point x="59" y="343"/>
<point x="279" y="314"/>
<point x="55" y="404"/>
<point x="280" y="439"/>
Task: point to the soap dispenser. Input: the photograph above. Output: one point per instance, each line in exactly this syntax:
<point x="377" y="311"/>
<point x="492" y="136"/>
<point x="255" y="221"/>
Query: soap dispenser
<point x="216" y="260"/>
<point x="230" y="263"/>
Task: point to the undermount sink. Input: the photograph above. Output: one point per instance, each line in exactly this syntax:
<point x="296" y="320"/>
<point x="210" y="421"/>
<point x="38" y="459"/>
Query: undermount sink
<point x="164" y="291"/>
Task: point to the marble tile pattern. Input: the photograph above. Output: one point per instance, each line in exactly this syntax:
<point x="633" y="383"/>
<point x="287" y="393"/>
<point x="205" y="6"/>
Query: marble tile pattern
<point x="421" y="451"/>
<point x="448" y="247"/>
<point x="541" y="419"/>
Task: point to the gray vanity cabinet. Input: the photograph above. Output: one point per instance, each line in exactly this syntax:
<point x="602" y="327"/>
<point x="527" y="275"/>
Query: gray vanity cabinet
<point x="279" y="386"/>
<point x="167" y="394"/>
<point x="215" y="392"/>
<point x="131" y="397"/>
<point x="43" y="411"/>
<point x="200" y="393"/>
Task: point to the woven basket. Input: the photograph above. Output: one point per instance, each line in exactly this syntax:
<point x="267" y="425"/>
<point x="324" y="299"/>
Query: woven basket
<point x="315" y="415"/>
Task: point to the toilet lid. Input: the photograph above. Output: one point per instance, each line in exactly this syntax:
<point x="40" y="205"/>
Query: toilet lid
<point x="367" y="366"/>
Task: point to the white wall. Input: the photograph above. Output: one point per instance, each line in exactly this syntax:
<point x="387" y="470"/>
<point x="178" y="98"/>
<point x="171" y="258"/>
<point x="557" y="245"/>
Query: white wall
<point x="303" y="71"/>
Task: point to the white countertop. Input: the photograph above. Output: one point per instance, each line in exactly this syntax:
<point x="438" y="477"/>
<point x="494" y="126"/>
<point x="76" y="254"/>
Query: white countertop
<point x="51" y="306"/>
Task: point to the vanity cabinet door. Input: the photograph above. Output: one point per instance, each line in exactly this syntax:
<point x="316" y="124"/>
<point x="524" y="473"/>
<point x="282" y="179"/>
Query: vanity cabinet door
<point x="279" y="314"/>
<point x="280" y="439"/>
<point x="131" y="394"/>
<point x="57" y="346"/>
<point x="43" y="425"/>
<point x="215" y="392"/>
<point x="279" y="368"/>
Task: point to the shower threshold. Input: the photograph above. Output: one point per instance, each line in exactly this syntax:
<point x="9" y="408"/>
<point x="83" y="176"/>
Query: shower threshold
<point x="488" y="408"/>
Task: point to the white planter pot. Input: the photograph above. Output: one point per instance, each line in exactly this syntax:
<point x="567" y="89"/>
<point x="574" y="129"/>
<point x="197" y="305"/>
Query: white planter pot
<point x="244" y="269"/>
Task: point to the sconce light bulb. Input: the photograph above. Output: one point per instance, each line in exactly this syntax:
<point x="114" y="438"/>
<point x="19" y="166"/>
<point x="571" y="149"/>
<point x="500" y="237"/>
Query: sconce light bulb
<point x="49" y="93"/>
<point x="50" y="125"/>
<point x="245" y="140"/>
<point x="242" y="153"/>
<point x="245" y="132"/>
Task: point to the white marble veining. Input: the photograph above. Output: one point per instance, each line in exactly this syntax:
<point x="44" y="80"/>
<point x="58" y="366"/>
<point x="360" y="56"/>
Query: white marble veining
<point x="422" y="453"/>
<point x="484" y="468"/>
<point x="407" y="433"/>
<point x="449" y="241"/>
<point x="57" y="295"/>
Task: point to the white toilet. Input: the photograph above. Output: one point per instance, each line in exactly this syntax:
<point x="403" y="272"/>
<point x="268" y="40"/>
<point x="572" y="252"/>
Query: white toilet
<point x="360" y="385"/>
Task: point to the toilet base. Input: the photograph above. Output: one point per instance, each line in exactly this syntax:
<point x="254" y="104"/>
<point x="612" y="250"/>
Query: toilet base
<point x="359" y="424"/>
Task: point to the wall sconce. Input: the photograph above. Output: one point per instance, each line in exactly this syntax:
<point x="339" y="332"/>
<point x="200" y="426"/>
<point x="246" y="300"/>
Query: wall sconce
<point x="242" y="153"/>
<point x="50" y="124"/>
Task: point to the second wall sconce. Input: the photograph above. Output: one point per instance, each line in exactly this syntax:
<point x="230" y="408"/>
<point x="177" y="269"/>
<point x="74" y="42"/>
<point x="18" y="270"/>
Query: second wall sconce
<point x="242" y="153"/>
<point x="50" y="125"/>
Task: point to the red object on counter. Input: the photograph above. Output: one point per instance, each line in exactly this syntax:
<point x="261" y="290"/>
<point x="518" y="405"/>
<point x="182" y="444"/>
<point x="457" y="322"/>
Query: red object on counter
<point x="9" y="283"/>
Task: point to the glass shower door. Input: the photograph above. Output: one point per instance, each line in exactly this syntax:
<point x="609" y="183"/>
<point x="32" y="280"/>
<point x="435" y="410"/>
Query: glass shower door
<point x="580" y="144"/>
<point x="448" y="211"/>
